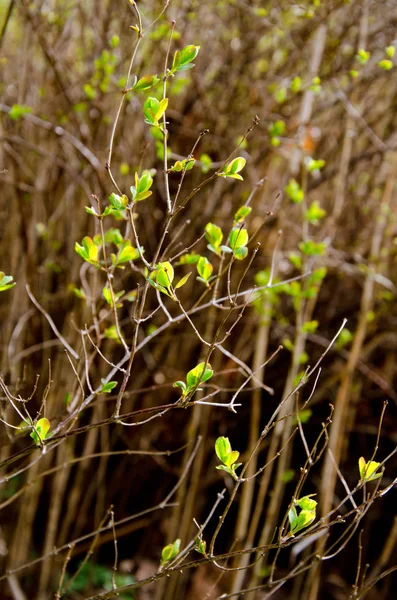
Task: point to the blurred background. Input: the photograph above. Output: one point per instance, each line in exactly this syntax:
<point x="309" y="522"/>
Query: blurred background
<point x="320" y="178"/>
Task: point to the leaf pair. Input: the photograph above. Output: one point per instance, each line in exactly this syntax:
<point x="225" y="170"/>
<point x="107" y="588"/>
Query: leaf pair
<point x="306" y="515"/>
<point x="153" y="110"/>
<point x="145" y="83"/>
<point x="228" y="456"/>
<point x="238" y="241"/>
<point x="200" y="374"/>
<point x="162" y="279"/>
<point x="40" y="432"/>
<point x="182" y="165"/>
<point x="368" y="470"/>
<point x="141" y="189"/>
<point x="238" y="237"/>
<point x="6" y="282"/>
<point x="88" y="251"/>
<point x="204" y="269"/>
<point x="233" y="168"/>
<point x="169" y="552"/>
<point x="183" y="59"/>
<point x="126" y="254"/>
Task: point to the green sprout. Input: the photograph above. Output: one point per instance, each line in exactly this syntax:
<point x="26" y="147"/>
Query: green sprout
<point x="227" y="456"/>
<point x="306" y="515"/>
<point x="200" y="374"/>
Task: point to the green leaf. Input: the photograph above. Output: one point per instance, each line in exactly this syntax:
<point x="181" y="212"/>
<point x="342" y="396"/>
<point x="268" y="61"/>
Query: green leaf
<point x="204" y="268"/>
<point x="214" y="235"/>
<point x="107" y="294"/>
<point x="42" y="428"/>
<point x="240" y="253"/>
<point x="363" y="56"/>
<point x="292" y="516"/>
<point x="180" y="384"/>
<point x="231" y="458"/>
<point x="153" y="110"/>
<point x="89" y="91"/>
<point x="183" y="59"/>
<point x="185" y="165"/>
<point x="127" y="254"/>
<point x="162" y="108"/>
<point x="314" y="213"/>
<point x="232" y="168"/>
<point x="145" y="83"/>
<point x="118" y="202"/>
<point x="142" y="186"/>
<point x="306" y="503"/>
<point x="91" y="211"/>
<point x="314" y="165"/>
<point x="305" y="518"/>
<point x="107" y="387"/>
<point x="242" y="213"/>
<point x="165" y="274"/>
<point x="6" y="282"/>
<point x="200" y="374"/>
<point x="368" y="470"/>
<point x="188" y="54"/>
<point x="276" y="129"/>
<point x="110" y="333"/>
<point x="18" y="111"/>
<point x="310" y="327"/>
<point x="385" y="64"/>
<point x="88" y="250"/>
<point x="169" y="552"/>
<point x="296" y="84"/>
<point x="303" y="416"/>
<point x="189" y="259"/>
<point x="311" y="248"/>
<point x="222" y="448"/>
<point x="182" y="281"/>
<point x="201" y="546"/>
<point x="294" y="191"/>
<point x="238" y="238"/>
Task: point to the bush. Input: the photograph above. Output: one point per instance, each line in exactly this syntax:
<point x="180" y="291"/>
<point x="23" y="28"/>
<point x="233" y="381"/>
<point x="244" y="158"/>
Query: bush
<point x="180" y="383"/>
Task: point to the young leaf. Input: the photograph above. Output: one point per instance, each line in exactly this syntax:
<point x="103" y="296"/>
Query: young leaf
<point x="294" y="191"/>
<point x="222" y="448"/>
<point x="107" y="294"/>
<point x="153" y="110"/>
<point x="183" y="59"/>
<point x="107" y="387"/>
<point x="88" y="250"/>
<point x="213" y="235"/>
<point x="169" y="552"/>
<point x="233" y="168"/>
<point x="200" y="374"/>
<point x="145" y="83"/>
<point x="368" y="470"/>
<point x="182" y="281"/>
<point x="127" y="254"/>
<point x="242" y="212"/>
<point x="180" y="384"/>
<point x="6" y="282"/>
<point x="42" y="428"/>
<point x="240" y="253"/>
<point x="118" y="202"/>
<point x="305" y="518"/>
<point x="165" y="274"/>
<point x="306" y="503"/>
<point x="141" y="190"/>
<point x="238" y="238"/>
<point x="232" y="457"/>
<point x="204" y="269"/>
